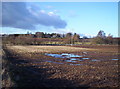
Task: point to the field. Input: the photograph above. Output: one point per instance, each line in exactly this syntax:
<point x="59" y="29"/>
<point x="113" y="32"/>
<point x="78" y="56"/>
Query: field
<point x="64" y="66"/>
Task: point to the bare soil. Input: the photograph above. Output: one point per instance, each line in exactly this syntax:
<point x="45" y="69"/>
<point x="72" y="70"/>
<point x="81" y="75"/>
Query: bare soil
<point x="30" y="67"/>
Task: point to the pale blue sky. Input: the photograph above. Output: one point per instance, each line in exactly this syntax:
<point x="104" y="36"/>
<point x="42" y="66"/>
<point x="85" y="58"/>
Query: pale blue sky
<point x="77" y="17"/>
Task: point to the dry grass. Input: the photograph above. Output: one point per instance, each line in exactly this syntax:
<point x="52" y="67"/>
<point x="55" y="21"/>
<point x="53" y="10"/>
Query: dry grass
<point x="42" y="49"/>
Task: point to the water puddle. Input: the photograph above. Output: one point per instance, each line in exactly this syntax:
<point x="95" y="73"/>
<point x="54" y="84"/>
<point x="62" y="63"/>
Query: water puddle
<point x="71" y="58"/>
<point x="94" y="60"/>
<point x="70" y="61"/>
<point x="72" y="55"/>
<point x="85" y="58"/>
<point x="54" y="62"/>
<point x="63" y="55"/>
<point x="115" y="59"/>
<point x="75" y="64"/>
<point x="55" y="55"/>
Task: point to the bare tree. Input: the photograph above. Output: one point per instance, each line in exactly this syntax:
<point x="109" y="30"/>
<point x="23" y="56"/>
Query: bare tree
<point x="76" y="38"/>
<point x="101" y="34"/>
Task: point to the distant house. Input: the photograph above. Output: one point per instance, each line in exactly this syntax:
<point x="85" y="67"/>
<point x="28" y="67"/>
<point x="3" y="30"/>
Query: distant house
<point x="4" y="35"/>
<point x="56" y="36"/>
<point x="47" y="36"/>
<point x="39" y="34"/>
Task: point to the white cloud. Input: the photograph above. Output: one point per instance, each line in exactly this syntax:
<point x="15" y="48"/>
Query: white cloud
<point x="51" y="13"/>
<point x="42" y="11"/>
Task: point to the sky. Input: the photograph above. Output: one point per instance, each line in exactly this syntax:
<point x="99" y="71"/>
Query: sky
<point x="84" y="18"/>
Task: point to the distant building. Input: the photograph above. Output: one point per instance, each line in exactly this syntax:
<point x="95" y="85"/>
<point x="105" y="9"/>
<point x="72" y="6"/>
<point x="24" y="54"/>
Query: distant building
<point x="39" y="34"/>
<point x="56" y="36"/>
<point x="4" y="35"/>
<point x="47" y="36"/>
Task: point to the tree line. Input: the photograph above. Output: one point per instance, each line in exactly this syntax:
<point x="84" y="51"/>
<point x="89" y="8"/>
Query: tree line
<point x="101" y="38"/>
<point x="55" y="38"/>
<point x="41" y="38"/>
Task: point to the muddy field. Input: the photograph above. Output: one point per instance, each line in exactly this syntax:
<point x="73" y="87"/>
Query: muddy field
<point x="64" y="66"/>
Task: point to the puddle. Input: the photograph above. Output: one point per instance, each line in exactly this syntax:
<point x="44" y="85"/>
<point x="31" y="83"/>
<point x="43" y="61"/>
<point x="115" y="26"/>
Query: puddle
<point x="63" y="55"/>
<point x="72" y="55"/>
<point x="54" y="62"/>
<point x="70" y="61"/>
<point x="94" y="60"/>
<point x="115" y="59"/>
<point x="75" y="64"/>
<point x="55" y="55"/>
<point x="72" y="58"/>
<point x="85" y="58"/>
<point x="75" y="59"/>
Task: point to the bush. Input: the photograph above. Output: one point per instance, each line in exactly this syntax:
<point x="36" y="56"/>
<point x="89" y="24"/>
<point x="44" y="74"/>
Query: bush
<point x="99" y="40"/>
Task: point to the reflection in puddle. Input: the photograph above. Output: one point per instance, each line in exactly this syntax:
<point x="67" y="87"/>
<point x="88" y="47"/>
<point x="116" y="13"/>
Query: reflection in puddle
<point x="85" y="58"/>
<point x="54" y="62"/>
<point x="75" y="59"/>
<point x="114" y="59"/>
<point x="72" y="55"/>
<point x="94" y="60"/>
<point x="70" y="61"/>
<point x="75" y="64"/>
<point x="55" y="55"/>
<point x="63" y="55"/>
<point x="71" y="58"/>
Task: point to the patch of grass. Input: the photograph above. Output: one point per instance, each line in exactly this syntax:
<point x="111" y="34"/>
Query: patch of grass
<point x="43" y="49"/>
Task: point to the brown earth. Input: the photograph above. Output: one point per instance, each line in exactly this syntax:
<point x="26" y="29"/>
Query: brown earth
<point x="36" y="69"/>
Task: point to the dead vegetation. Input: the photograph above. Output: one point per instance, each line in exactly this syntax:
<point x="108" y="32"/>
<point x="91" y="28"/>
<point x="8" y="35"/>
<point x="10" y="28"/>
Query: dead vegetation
<point x="44" y="49"/>
<point x="5" y="72"/>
